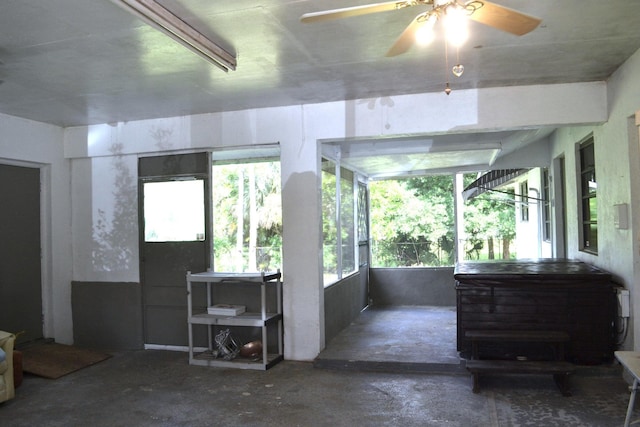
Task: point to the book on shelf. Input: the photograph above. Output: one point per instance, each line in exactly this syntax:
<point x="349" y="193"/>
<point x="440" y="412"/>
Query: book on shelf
<point x="226" y="309"/>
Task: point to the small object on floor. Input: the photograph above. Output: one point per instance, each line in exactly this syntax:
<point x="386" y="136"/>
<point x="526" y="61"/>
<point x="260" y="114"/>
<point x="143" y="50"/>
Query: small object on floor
<point x="228" y="348"/>
<point x="251" y="349"/>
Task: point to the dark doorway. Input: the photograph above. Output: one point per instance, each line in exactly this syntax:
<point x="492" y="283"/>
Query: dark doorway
<point x="20" y="265"/>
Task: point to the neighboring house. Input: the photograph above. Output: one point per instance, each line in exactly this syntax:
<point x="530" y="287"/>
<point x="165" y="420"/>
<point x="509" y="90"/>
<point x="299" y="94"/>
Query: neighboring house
<point x="532" y="214"/>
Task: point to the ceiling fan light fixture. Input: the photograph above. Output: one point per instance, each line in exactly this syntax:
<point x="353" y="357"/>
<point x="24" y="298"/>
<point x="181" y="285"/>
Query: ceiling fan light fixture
<point x="455" y="15"/>
<point x="455" y="22"/>
<point x="425" y="34"/>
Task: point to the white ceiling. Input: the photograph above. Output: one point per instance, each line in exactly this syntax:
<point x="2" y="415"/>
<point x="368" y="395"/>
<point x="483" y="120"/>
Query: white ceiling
<point x="80" y="62"/>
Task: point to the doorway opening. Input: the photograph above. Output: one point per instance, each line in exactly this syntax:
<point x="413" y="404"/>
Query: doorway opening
<point x="20" y="253"/>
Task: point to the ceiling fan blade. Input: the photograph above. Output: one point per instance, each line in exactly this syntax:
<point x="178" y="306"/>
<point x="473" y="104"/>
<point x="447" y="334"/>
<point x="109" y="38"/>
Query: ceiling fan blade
<point x="504" y="18"/>
<point x="406" y="39"/>
<point x="346" y="12"/>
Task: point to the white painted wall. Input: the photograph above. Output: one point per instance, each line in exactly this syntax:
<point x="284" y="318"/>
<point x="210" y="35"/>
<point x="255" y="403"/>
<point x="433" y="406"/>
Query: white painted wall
<point x="95" y="172"/>
<point x="618" y="175"/>
<point x="87" y="169"/>
<point x="528" y="233"/>
<point x="99" y="153"/>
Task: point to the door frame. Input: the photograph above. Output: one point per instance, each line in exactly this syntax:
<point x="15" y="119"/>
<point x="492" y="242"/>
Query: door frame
<point x="559" y="220"/>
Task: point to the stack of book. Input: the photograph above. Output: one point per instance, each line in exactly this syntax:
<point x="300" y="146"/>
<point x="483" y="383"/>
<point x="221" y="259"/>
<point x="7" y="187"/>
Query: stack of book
<point x="226" y="309"/>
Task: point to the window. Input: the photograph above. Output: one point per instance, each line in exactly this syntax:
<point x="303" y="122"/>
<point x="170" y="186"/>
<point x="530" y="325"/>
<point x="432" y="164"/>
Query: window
<point x="363" y="213"/>
<point x="329" y="223"/>
<point x="347" y="236"/>
<point x="546" y="206"/>
<point x="524" y="199"/>
<point x="174" y="211"/>
<point x="589" y="205"/>
<point x="363" y="224"/>
<point x="338" y="221"/>
<point x="247" y="214"/>
<point x="412" y="222"/>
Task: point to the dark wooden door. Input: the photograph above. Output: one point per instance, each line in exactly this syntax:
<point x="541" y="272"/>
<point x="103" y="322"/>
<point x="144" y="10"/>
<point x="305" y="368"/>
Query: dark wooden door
<point x="174" y="239"/>
<point x="20" y="265"/>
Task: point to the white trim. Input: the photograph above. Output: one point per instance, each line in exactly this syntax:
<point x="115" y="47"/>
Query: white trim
<point x="46" y="252"/>
<point x="182" y="348"/>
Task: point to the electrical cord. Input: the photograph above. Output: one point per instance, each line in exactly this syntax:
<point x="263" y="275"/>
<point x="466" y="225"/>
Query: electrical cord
<point x="624" y="321"/>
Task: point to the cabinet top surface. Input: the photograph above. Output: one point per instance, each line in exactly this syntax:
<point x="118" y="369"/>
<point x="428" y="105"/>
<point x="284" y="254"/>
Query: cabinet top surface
<point x="529" y="269"/>
<point x="215" y="276"/>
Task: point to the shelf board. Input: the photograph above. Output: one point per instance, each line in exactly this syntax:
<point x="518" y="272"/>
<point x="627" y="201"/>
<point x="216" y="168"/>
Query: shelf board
<point x="206" y="359"/>
<point x="217" y="277"/>
<point x="247" y="319"/>
<point x="244" y="319"/>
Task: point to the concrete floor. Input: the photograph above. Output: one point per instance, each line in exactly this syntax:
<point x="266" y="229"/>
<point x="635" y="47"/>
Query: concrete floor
<point x="159" y="388"/>
<point x="397" y="339"/>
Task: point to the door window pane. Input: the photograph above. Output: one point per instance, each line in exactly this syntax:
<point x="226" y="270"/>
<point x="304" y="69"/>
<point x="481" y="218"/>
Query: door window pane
<point x="174" y="211"/>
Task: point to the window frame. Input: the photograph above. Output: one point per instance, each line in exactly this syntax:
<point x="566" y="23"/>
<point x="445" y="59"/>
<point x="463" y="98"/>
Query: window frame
<point x="244" y="156"/>
<point x="546" y="205"/>
<point x="446" y="258"/>
<point x="524" y="201"/>
<point x="339" y="219"/>
<point x="587" y="198"/>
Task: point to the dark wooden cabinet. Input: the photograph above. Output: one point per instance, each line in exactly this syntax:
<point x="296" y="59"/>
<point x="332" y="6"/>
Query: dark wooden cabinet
<point x="538" y="295"/>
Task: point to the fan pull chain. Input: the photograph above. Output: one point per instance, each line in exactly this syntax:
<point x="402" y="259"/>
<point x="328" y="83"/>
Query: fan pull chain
<point x="447" y="88"/>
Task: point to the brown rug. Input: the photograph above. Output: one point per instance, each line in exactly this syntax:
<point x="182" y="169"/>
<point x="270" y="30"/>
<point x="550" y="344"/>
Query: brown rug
<point x="54" y="360"/>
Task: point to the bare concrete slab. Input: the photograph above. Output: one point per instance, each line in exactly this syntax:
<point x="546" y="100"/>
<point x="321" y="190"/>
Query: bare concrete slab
<point x="397" y="339"/>
<point x="159" y="388"/>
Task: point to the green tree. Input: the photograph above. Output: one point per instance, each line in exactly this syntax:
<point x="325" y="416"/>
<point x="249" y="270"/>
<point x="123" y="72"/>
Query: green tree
<point x="247" y="216"/>
<point x="412" y="222"/>
<point x="329" y="220"/>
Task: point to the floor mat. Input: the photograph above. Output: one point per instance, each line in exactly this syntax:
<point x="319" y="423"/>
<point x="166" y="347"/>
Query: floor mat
<point x="54" y="360"/>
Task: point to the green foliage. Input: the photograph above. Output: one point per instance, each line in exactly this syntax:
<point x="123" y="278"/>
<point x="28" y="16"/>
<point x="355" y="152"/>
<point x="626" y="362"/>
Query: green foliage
<point x="329" y="224"/>
<point x="232" y="215"/>
<point x="412" y="221"/>
<point x="486" y="217"/>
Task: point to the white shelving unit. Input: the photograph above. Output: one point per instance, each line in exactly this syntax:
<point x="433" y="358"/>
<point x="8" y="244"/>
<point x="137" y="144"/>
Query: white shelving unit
<point x="262" y="319"/>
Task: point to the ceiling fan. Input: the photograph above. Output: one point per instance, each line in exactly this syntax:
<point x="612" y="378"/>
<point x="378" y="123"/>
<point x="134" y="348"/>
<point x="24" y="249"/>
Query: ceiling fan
<point x="485" y="12"/>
